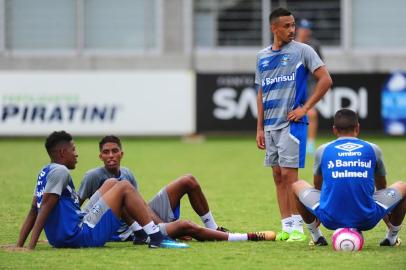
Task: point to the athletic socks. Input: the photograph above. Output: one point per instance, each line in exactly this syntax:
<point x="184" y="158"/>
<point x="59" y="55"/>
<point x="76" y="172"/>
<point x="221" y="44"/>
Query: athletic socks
<point x="287" y="224"/>
<point x="297" y="223"/>
<point x="208" y="221"/>
<point x="233" y="237"/>
<point x="392" y="233"/>
<point x="314" y="230"/>
<point x="139" y="232"/>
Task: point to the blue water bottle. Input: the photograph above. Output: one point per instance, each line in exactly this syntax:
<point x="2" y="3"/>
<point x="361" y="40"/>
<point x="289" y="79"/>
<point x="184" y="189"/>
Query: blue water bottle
<point x="393" y="110"/>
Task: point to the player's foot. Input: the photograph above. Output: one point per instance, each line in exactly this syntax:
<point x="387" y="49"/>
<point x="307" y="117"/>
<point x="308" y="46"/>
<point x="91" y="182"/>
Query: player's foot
<point x="322" y="241"/>
<point x="141" y="238"/>
<point x="167" y="243"/>
<point x="282" y="236"/>
<point x="296" y="236"/>
<point x="262" y="236"/>
<point x="138" y="241"/>
<point x="386" y="243"/>
<point x="222" y="229"/>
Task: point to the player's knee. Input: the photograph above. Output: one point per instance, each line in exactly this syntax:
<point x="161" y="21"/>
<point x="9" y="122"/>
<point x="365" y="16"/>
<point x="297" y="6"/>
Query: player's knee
<point x="298" y="186"/>
<point x="401" y="186"/>
<point x="187" y="226"/>
<point x="110" y="182"/>
<point x="278" y="180"/>
<point x="190" y="182"/>
<point x="124" y="185"/>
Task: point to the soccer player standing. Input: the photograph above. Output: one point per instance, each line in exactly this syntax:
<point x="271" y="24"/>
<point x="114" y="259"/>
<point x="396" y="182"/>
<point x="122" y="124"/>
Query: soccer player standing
<point x="281" y="78"/>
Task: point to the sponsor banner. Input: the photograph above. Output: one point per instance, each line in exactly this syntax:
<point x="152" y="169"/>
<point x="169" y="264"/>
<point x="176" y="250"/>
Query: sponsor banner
<point x="97" y="103"/>
<point x="227" y="102"/>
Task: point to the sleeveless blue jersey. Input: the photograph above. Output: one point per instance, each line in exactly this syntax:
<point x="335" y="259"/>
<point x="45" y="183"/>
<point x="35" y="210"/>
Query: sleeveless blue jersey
<point x="348" y="167"/>
<point x="62" y="226"/>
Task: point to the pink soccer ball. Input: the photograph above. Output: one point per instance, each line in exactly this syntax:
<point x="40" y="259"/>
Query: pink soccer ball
<point x="347" y="239"/>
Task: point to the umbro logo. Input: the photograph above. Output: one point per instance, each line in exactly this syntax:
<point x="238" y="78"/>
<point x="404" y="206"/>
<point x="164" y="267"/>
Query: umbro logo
<point x="349" y="146"/>
<point x="265" y="63"/>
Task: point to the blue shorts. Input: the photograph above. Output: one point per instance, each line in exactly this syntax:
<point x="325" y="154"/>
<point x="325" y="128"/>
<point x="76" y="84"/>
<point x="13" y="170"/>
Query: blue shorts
<point x="99" y="225"/>
<point x="385" y="201"/>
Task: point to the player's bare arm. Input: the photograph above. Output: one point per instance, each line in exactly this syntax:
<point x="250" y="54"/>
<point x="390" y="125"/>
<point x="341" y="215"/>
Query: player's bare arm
<point x="260" y="122"/>
<point x="28" y="223"/>
<point x="49" y="201"/>
<point x="324" y="82"/>
<point x="380" y="182"/>
<point x="317" y="181"/>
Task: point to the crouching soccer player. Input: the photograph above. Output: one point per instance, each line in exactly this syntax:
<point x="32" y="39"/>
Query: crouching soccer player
<point x="346" y="173"/>
<point x="164" y="208"/>
<point x="55" y="205"/>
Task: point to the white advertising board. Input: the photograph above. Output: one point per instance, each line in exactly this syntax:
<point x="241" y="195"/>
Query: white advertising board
<point x="97" y="103"/>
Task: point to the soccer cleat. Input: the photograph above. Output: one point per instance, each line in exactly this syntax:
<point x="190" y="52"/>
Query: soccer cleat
<point x="138" y="241"/>
<point x="261" y="236"/>
<point x="322" y="241"/>
<point x="167" y="243"/>
<point x="386" y="243"/>
<point x="222" y="229"/>
<point x="296" y="236"/>
<point x="282" y="236"/>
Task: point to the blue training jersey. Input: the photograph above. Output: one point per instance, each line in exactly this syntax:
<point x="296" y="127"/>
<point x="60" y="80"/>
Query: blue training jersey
<point x="63" y="224"/>
<point x="282" y="75"/>
<point x="348" y="167"/>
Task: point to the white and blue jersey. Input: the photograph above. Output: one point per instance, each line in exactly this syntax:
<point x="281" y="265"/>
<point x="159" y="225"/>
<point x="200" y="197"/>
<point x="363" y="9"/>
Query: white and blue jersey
<point x="348" y="167"/>
<point x="61" y="226"/>
<point x="282" y="75"/>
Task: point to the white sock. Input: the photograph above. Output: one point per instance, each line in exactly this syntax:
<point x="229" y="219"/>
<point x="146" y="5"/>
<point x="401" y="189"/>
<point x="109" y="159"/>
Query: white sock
<point x="297" y="223"/>
<point x="92" y="201"/>
<point x="135" y="226"/>
<point x="233" y="237"/>
<point x="287" y="224"/>
<point x="314" y="230"/>
<point x="392" y="233"/>
<point x="208" y="221"/>
<point x="151" y="228"/>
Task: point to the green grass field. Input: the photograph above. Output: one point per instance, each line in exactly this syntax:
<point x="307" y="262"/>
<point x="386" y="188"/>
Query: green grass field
<point x="241" y="196"/>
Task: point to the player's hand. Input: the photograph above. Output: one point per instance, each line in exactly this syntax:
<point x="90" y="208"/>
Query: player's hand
<point x="14" y="248"/>
<point x="296" y="114"/>
<point x="260" y="139"/>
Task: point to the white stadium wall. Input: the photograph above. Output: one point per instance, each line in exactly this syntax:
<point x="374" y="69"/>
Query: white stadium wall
<point x="94" y="103"/>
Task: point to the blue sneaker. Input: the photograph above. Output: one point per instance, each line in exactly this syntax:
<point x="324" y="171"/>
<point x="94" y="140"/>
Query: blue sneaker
<point x="166" y="243"/>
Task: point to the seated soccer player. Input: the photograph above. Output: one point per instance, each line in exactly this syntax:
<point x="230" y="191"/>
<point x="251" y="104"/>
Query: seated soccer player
<point x="346" y="173"/>
<point x="164" y="208"/>
<point x="55" y="205"/>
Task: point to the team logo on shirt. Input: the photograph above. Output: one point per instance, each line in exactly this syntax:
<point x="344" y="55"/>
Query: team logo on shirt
<point x="285" y="59"/>
<point x="349" y="146"/>
<point x="265" y="63"/>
